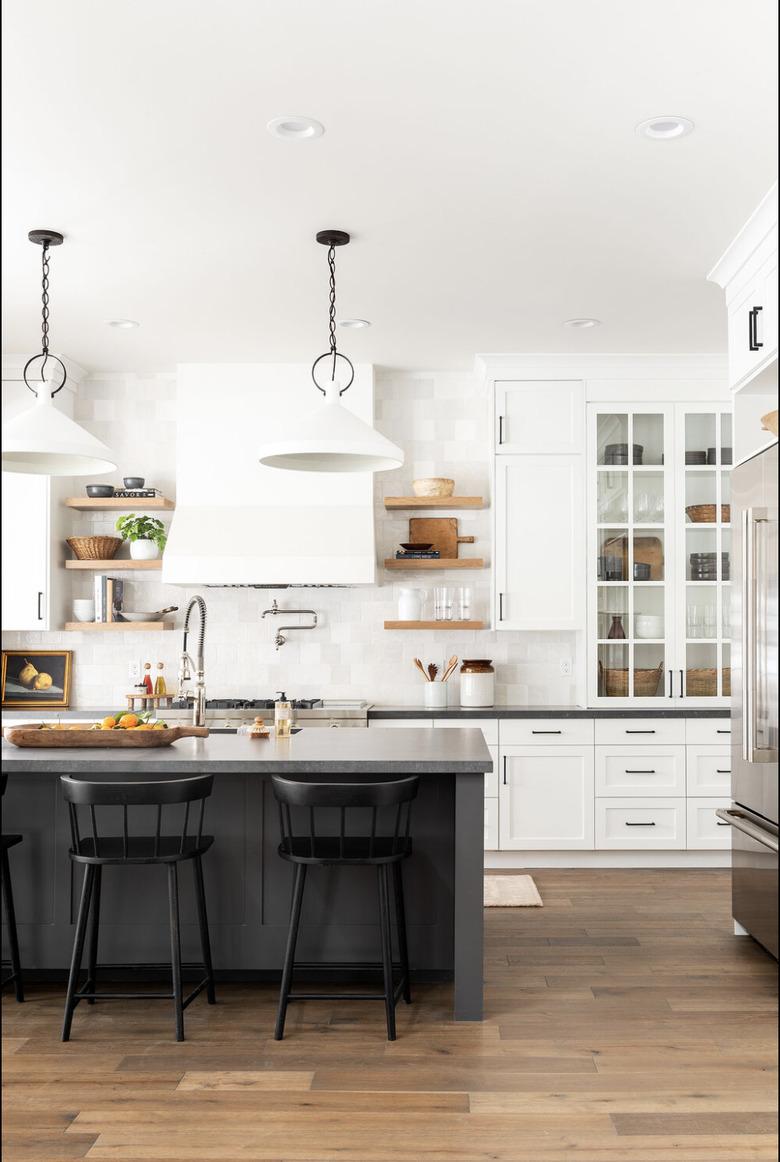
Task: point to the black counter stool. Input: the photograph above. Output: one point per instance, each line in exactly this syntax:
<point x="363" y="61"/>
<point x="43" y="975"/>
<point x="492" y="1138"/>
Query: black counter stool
<point x="91" y="846"/>
<point x="15" y="974"/>
<point x="372" y="818"/>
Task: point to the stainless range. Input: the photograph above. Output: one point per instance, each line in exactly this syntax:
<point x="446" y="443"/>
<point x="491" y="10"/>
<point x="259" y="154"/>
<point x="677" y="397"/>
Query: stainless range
<point x="226" y="715"/>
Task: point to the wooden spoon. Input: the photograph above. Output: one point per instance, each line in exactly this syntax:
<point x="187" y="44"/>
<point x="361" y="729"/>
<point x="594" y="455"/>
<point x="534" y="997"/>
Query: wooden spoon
<point x="421" y="668"/>
<point x="451" y="664"/>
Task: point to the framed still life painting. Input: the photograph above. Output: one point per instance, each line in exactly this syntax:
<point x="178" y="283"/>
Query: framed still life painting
<point x="33" y="679"/>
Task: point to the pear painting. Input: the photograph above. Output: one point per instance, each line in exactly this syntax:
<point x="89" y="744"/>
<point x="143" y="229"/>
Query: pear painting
<point x="33" y="678"/>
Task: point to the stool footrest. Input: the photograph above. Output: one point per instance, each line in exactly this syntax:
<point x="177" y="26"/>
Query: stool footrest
<point x="82" y="995"/>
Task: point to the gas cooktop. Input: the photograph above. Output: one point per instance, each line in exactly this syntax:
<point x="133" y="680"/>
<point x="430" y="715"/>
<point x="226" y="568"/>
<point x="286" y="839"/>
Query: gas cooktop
<point x="259" y="703"/>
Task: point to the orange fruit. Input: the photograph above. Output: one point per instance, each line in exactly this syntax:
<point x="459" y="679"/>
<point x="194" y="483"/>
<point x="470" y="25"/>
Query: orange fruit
<point x="108" y="723"/>
<point x="128" y="721"/>
<point x="159" y="726"/>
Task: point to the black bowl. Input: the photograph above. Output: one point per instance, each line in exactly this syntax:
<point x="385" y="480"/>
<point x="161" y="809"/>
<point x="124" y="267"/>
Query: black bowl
<point x="102" y="490"/>
<point x="416" y="547"/>
<point x="134" y="481"/>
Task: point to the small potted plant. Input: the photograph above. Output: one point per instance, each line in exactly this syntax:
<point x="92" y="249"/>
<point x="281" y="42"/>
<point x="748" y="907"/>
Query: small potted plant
<point x="146" y="534"/>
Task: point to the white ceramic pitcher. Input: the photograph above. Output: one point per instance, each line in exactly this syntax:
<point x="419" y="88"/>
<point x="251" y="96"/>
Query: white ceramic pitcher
<point x="410" y="604"/>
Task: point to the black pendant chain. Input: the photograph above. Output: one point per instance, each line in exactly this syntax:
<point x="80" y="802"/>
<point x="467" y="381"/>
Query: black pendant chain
<point x="332" y="239"/>
<point x="44" y="305"/>
<point x="45" y="239"/>
<point x="332" y="311"/>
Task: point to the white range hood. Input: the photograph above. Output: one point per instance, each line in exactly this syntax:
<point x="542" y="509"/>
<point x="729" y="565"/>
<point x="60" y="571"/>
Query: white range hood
<point x="240" y="523"/>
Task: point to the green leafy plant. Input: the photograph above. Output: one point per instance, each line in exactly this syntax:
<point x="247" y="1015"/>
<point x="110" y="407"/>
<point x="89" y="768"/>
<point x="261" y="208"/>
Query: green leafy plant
<point x="142" y="528"/>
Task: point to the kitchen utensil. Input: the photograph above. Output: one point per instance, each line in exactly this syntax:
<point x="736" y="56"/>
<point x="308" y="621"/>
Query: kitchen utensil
<point x="642" y="571"/>
<point x="103" y="490"/>
<point x="440" y="532"/>
<point x="706" y="513"/>
<point x="135" y="615"/>
<point x="433" y="670"/>
<point x="410" y="604"/>
<point x="41" y="735"/>
<point x="433" y="486"/>
<point x="769" y="422"/>
<point x="435" y="696"/>
<point x="648" y="625"/>
<point x="448" y="669"/>
<point x="696" y="457"/>
<point x="416" y="546"/>
<point x="84" y="609"/>
<point x="726" y="456"/>
<point x="421" y="668"/>
<point x="94" y="548"/>
<point x="477" y="682"/>
<point x="133" y="481"/>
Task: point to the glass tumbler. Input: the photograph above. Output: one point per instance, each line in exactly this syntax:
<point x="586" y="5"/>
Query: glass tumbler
<point x="464" y="604"/>
<point x="442" y="603"/>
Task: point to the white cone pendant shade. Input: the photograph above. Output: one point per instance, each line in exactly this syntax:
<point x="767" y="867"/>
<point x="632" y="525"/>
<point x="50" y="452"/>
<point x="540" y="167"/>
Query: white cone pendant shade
<point x="333" y="439"/>
<point x="44" y="441"/>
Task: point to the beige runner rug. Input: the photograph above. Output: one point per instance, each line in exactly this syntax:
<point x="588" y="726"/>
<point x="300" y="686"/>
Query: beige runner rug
<point x="511" y="892"/>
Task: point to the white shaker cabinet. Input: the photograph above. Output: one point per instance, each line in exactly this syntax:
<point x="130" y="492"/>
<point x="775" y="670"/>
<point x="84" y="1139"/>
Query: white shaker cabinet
<point x="546" y="798"/>
<point x="539" y="544"/>
<point x="539" y="415"/>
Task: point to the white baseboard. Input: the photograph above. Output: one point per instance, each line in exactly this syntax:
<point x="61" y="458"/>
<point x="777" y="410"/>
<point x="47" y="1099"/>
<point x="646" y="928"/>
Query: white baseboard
<point x="541" y="859"/>
<point x="739" y="930"/>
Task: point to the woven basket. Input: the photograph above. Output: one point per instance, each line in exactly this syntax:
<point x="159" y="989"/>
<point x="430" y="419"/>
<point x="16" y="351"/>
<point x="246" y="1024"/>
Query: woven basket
<point x="704" y="683"/>
<point x="645" y="682"/>
<point x="706" y="513"/>
<point x="94" y="548"/>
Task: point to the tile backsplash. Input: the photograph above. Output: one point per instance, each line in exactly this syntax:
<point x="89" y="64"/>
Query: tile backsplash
<point x="442" y="422"/>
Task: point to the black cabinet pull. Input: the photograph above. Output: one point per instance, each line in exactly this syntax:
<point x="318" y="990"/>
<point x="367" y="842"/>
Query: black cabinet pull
<point x="546" y="732"/>
<point x="682" y="685"/>
<point x="504" y="770"/>
<point x="671" y="684"/>
<point x="640" y="732"/>
<point x="640" y="824"/>
<point x="40" y="599"/>
<point x="501" y="607"/>
<point x="723" y="732"/>
<point x="719" y="771"/>
<point x="640" y="772"/>
<point x="719" y="824"/>
<point x="753" y="343"/>
<point x="500" y="429"/>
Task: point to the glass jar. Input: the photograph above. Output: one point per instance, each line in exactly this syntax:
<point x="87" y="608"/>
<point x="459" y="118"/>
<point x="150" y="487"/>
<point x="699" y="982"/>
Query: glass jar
<point x="477" y="682"/>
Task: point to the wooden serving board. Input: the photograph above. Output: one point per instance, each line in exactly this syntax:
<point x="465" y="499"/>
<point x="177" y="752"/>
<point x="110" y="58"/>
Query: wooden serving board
<point x="77" y="736"/>
<point x="439" y="531"/>
<point x="647" y="551"/>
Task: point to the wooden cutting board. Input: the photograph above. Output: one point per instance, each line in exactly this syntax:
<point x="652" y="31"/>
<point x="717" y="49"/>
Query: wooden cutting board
<point x="70" y="736"/>
<point x="647" y="551"/>
<point x="439" y="531"/>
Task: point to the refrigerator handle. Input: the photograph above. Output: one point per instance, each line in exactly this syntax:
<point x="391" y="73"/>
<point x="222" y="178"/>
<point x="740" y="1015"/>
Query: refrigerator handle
<point x="742" y="823"/>
<point x="748" y="634"/>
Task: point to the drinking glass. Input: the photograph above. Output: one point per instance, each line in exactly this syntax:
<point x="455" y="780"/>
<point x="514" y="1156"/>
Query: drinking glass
<point x="442" y="603"/>
<point x="710" y="621"/>
<point x="695" y="621"/>
<point x="464" y="604"/>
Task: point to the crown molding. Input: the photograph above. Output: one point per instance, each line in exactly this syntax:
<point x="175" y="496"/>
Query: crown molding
<point x="601" y="366"/>
<point x="752" y="234"/>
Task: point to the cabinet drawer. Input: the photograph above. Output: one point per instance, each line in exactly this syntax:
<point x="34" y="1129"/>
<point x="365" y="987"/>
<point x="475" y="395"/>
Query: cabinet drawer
<point x="546" y="798"/>
<point x="708" y="731"/>
<point x="640" y="731"/>
<point x="400" y="723"/>
<point x="629" y="772"/>
<point x="709" y="771"/>
<point x="546" y="731"/>
<point x="640" y="823"/>
<point x="488" y="726"/>
<point x="705" y="830"/>
<point x="491" y="825"/>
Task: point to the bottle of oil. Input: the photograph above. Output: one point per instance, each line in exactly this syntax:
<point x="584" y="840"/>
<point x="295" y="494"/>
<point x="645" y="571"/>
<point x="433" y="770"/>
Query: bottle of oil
<point x="282" y="716"/>
<point x="159" y="686"/>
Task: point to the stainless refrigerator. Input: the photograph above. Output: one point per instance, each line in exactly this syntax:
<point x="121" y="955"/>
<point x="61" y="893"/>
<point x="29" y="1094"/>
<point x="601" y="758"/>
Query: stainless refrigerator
<point x="754" y="732"/>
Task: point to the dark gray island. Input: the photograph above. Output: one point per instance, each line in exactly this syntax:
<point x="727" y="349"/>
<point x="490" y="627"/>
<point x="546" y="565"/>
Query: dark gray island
<point x="247" y="885"/>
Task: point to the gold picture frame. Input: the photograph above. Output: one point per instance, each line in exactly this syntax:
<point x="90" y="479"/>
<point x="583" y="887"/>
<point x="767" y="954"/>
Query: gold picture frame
<point x="24" y="681"/>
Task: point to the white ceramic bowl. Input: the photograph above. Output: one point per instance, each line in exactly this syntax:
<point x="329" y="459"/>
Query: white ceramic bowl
<point x="649" y="625"/>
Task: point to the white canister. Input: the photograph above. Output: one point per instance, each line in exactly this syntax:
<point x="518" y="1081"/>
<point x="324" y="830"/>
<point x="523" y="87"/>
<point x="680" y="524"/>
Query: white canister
<point x="144" y="550"/>
<point x="410" y="604"/>
<point x="84" y="609"/>
<point x="477" y="683"/>
<point x="435" y="695"/>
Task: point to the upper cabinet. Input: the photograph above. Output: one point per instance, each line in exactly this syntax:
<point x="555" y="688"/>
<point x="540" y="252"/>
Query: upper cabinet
<point x="541" y="416"/>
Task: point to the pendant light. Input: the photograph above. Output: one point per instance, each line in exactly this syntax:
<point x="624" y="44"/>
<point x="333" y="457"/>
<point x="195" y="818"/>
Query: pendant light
<point x="42" y="440"/>
<point x="331" y="438"/>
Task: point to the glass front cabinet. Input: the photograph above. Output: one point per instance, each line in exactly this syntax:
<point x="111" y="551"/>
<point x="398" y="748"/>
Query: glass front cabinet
<point x="658" y="554"/>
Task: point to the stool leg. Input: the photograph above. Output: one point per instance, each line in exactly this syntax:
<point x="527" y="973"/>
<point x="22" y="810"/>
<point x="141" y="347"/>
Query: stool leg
<point x="400" y="918"/>
<point x="387" y="947"/>
<point x="289" y="956"/>
<point x="204" y="930"/>
<point x="13" y="939"/>
<point x="173" y="910"/>
<point x="78" y="949"/>
<point x="93" y="934"/>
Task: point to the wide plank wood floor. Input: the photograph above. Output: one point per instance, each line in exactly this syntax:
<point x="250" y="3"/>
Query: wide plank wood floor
<point x="625" y="1023"/>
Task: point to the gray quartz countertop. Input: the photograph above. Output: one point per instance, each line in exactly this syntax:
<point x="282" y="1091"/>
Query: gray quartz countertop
<point x="313" y="751"/>
<point x="377" y="713"/>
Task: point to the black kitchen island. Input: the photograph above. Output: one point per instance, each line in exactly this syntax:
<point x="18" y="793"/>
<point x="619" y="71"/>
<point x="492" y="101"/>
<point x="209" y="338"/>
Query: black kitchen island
<point x="247" y="885"/>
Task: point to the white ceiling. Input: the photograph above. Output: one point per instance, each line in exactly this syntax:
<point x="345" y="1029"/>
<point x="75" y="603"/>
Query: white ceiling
<point x="483" y="155"/>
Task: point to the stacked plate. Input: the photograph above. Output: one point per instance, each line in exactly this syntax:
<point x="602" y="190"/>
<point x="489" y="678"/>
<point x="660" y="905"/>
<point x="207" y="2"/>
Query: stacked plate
<point x="704" y="566"/>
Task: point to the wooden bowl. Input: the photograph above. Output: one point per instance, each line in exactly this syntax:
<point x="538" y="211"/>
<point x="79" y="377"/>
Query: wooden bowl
<point x="433" y="486"/>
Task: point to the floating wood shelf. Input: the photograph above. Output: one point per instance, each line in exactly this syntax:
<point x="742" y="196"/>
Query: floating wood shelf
<point x="434" y="625"/>
<point x="129" y="626"/>
<point x="436" y="563"/>
<point x="90" y="503"/>
<point x="434" y="502"/>
<point x="117" y="564"/>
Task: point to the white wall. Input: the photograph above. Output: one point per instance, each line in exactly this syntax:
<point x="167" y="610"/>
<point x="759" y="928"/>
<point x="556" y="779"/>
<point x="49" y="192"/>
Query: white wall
<point x="441" y="420"/>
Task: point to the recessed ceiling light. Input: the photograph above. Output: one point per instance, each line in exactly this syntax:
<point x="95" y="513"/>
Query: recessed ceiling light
<point x="123" y="324"/>
<point x="581" y="324"/>
<point x="665" y="128"/>
<point x="293" y="127"/>
<point x="354" y="324"/>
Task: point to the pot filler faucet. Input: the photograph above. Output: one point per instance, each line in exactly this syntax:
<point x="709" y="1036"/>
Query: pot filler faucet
<point x="280" y="639"/>
<point x="186" y="664"/>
